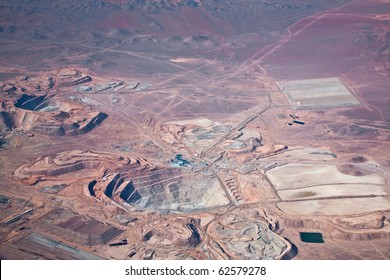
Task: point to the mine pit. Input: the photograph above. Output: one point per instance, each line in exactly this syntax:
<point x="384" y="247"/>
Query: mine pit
<point x="199" y="133"/>
<point x="72" y="77"/>
<point x="64" y="163"/>
<point x="158" y="189"/>
<point x="138" y="183"/>
<point x="31" y="102"/>
<point x="183" y="233"/>
<point x="248" y="240"/>
<point x="49" y="115"/>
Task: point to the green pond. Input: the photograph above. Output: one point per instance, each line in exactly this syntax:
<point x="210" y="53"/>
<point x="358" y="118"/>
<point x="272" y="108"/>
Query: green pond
<point x="311" y="237"/>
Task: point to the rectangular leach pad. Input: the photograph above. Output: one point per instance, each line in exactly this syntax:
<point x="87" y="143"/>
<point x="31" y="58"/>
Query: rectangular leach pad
<point x="317" y="93"/>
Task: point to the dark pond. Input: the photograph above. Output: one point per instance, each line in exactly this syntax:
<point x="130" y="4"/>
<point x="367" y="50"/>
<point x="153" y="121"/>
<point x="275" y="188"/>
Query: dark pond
<point x="311" y="237"/>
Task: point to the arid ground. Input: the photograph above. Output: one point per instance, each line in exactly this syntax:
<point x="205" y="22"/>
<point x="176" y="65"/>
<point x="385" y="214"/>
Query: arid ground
<point x="195" y="129"/>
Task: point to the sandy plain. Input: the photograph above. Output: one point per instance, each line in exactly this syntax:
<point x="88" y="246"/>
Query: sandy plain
<point x="160" y="132"/>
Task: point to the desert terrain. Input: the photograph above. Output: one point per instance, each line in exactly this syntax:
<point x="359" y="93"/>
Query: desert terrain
<point x="195" y="129"/>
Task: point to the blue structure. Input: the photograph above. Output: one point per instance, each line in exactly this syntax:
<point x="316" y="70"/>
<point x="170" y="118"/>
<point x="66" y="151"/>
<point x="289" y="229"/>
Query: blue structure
<point x="179" y="161"/>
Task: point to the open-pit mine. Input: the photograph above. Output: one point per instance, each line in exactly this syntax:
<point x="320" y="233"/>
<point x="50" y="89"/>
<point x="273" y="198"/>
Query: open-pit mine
<point x="201" y="129"/>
